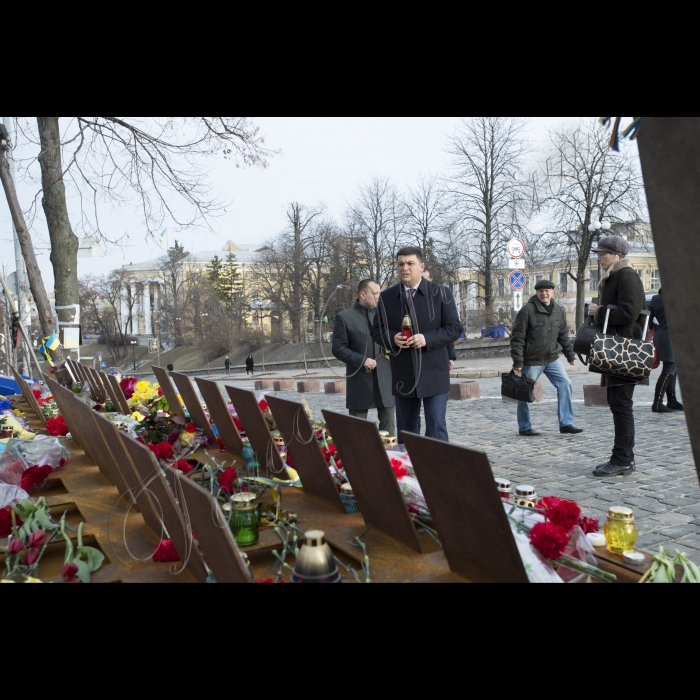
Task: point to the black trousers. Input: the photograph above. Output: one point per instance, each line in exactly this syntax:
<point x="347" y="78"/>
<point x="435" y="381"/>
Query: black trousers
<point x="621" y="400"/>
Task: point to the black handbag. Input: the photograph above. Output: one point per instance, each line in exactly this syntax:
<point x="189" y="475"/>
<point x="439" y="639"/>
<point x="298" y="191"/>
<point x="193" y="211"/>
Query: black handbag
<point x="622" y="357"/>
<point x="518" y="388"/>
<point x="585" y="338"/>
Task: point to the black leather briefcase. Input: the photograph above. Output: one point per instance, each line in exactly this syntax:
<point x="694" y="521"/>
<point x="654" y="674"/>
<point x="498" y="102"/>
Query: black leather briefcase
<point x="518" y="388"/>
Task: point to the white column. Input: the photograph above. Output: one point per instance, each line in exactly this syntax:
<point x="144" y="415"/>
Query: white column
<point x="148" y="313"/>
<point x="124" y="311"/>
<point x="134" y="329"/>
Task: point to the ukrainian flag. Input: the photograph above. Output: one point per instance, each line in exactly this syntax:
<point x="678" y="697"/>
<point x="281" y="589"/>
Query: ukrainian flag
<point x="164" y="234"/>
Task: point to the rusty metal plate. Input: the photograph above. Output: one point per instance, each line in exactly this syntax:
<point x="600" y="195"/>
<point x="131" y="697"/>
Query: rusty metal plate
<point x="376" y="489"/>
<point x="178" y="530"/>
<point x="168" y="391"/>
<point x="460" y="490"/>
<point x="194" y="406"/>
<point x="222" y="418"/>
<point x="116" y="394"/>
<point x="309" y="462"/>
<point x="28" y="395"/>
<point x="258" y="432"/>
<point x="213" y="534"/>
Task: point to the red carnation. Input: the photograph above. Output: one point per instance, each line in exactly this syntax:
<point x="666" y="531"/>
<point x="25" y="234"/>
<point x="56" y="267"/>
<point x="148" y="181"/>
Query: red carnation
<point x="15" y="547"/>
<point x="166" y="553"/>
<point x="191" y="428"/>
<point x="220" y="443"/>
<point x="589" y="526"/>
<point x="32" y="557"/>
<point x="182" y="466"/>
<point x="566" y="514"/>
<point x="6" y="522"/>
<point x="264" y="407"/>
<point x="62" y="463"/>
<point x="549" y="540"/>
<point x="37" y="394"/>
<point x="56" y="427"/>
<point x="160" y="393"/>
<point x="174" y="437"/>
<point x="69" y="573"/>
<point x="239" y="426"/>
<point x="228" y="479"/>
<point x="163" y="451"/>
<point x="400" y="470"/>
<point x="128" y="386"/>
<point x="34" y="476"/>
<point x="38" y="539"/>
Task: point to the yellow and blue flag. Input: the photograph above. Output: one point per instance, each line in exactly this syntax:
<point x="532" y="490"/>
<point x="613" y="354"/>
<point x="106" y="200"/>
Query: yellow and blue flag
<point x="164" y="234"/>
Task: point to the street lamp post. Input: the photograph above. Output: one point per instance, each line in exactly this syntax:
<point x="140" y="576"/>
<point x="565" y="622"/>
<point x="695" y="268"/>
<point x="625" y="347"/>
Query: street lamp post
<point x="134" y="343"/>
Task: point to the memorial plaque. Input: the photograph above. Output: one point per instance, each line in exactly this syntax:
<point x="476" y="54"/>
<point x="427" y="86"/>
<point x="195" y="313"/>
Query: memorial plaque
<point x="169" y="392"/>
<point x="116" y="394"/>
<point x="460" y="490"/>
<point x="65" y="400"/>
<point x="26" y="392"/>
<point x="213" y="534"/>
<point x="221" y="415"/>
<point x="98" y="391"/>
<point x="194" y="405"/>
<point x="309" y="462"/>
<point x="368" y="467"/>
<point x="258" y="432"/>
<point x="176" y="526"/>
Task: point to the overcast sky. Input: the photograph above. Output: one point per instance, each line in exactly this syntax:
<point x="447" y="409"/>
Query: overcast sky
<point x="323" y="159"/>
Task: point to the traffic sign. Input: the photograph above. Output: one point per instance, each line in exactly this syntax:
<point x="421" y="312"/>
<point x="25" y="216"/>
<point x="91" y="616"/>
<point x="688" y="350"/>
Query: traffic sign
<point x="517" y="301"/>
<point x="103" y="365"/>
<point x="516" y="264"/>
<point x="518" y="280"/>
<point x="516" y="248"/>
<point x="99" y="354"/>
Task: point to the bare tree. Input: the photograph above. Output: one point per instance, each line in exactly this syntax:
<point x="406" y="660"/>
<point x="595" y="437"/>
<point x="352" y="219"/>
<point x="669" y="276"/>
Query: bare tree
<point x="426" y="207"/>
<point x="153" y="164"/>
<point x="379" y="219"/>
<point x="585" y="181"/>
<point x="489" y="193"/>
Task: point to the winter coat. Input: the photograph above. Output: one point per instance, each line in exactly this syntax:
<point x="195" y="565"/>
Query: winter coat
<point x="353" y="345"/>
<point x="250" y="363"/>
<point x="538" y="337"/>
<point x="662" y="339"/>
<point x="420" y="373"/>
<point x="621" y="287"/>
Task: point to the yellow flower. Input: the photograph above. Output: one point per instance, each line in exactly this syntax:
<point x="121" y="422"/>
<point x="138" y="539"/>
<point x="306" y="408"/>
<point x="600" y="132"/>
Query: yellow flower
<point x="33" y="580"/>
<point x="187" y="438"/>
<point x="143" y="387"/>
<point x="6" y="581"/>
<point x="137" y="417"/>
<point x="18" y="413"/>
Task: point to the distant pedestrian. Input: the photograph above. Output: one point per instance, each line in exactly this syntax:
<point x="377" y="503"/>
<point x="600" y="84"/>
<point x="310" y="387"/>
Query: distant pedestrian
<point x="227" y="365"/>
<point x="620" y="286"/>
<point x="250" y="366"/>
<point x="666" y="385"/>
<point x="368" y="370"/>
<point x="171" y="368"/>
<point x="539" y="336"/>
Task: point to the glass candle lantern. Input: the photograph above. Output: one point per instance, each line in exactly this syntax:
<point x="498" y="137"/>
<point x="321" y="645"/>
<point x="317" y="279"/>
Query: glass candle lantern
<point x="407" y="328"/>
<point x="245" y="519"/>
<point x="109" y="407"/>
<point x="526" y="496"/>
<point x="504" y="489"/>
<point x="620" y="531"/>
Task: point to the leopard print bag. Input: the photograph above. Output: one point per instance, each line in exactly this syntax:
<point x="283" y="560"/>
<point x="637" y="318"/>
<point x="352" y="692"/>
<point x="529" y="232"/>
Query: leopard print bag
<point x="622" y="357"/>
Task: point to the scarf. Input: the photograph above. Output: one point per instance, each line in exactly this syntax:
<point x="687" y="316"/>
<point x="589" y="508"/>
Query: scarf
<point x="615" y="267"/>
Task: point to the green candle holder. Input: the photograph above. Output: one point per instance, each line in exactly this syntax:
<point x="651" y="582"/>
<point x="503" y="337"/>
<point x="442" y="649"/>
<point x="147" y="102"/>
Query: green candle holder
<point x="244" y="519"/>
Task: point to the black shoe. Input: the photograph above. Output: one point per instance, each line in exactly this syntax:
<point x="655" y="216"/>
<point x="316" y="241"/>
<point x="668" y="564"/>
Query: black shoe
<point x="660" y="408"/>
<point x="675" y="405"/>
<point x="609" y="469"/>
<point x="570" y="430"/>
<point x="530" y="433"/>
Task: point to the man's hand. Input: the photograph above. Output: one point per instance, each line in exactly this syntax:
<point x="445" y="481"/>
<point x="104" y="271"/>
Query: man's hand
<point x="400" y="341"/>
<point x="452" y="365"/>
<point x="417" y="342"/>
<point x="518" y="370"/>
<point x="593" y="309"/>
<point x="370" y="364"/>
<point x="572" y="362"/>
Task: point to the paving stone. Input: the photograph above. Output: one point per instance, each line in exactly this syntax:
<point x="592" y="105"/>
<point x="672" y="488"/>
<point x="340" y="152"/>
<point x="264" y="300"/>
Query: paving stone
<point x="650" y="540"/>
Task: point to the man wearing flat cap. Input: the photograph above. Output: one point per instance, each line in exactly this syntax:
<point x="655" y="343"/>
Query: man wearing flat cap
<point x="539" y="336"/>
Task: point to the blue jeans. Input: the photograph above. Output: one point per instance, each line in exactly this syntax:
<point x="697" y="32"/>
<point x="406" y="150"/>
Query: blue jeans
<point x="408" y="417"/>
<point x="560" y="379"/>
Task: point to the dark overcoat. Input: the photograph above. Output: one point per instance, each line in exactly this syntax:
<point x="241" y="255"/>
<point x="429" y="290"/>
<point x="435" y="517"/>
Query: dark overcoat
<point x="426" y="372"/>
<point x="353" y="345"/>
<point x="622" y="287"/>
<point x="662" y="339"/>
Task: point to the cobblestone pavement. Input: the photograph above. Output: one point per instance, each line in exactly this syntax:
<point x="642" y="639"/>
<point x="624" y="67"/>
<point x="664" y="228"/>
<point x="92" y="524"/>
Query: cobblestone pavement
<point x="664" y="492"/>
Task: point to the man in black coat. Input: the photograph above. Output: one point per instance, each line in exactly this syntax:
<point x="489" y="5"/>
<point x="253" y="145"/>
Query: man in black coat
<point x="621" y="287"/>
<point x="540" y="334"/>
<point x="367" y="369"/>
<point x="662" y="340"/>
<point x="420" y="364"/>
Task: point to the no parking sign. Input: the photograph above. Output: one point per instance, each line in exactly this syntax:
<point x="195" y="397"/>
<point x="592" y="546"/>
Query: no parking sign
<point x="518" y="280"/>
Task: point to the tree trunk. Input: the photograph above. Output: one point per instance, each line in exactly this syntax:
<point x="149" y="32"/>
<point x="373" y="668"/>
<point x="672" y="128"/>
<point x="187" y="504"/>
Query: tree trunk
<point x="36" y="281"/>
<point x="64" y="243"/>
<point x="581" y="291"/>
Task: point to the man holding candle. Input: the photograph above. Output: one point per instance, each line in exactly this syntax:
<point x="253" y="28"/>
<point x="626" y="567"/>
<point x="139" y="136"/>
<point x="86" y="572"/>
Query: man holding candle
<point x="418" y="325"/>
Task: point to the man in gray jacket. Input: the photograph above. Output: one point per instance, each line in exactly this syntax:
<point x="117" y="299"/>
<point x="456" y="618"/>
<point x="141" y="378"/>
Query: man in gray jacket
<point x="539" y="336"/>
<point x="368" y="369"/>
